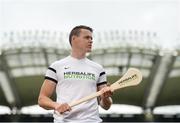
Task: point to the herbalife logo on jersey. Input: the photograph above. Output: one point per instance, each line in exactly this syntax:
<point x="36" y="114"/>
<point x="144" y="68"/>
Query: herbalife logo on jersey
<point x="79" y="75"/>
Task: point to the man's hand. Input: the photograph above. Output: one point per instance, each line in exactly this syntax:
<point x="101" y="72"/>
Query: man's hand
<point x="61" y="108"/>
<point x="105" y="98"/>
<point x="106" y="92"/>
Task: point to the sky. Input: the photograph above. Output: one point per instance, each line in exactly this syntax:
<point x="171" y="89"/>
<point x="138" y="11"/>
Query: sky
<point x="161" y="16"/>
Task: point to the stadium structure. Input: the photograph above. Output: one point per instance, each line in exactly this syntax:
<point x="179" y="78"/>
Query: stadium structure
<point x="25" y="56"/>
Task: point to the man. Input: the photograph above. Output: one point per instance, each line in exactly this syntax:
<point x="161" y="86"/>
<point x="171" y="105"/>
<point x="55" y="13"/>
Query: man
<point x="75" y="77"/>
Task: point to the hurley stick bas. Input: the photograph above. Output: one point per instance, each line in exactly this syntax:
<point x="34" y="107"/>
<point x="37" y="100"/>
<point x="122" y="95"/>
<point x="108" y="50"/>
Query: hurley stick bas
<point x="131" y="78"/>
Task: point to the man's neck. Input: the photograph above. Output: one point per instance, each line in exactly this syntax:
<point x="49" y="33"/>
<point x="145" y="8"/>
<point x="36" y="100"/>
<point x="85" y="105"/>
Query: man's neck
<point x="78" y="55"/>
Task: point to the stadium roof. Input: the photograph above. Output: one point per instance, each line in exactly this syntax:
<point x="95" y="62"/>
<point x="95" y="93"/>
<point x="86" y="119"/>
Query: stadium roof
<point x="160" y="16"/>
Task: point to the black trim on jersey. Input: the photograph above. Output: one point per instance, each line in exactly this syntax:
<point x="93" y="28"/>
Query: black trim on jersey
<point x="102" y="73"/>
<point x="98" y="84"/>
<point x="50" y="68"/>
<point x="46" y="77"/>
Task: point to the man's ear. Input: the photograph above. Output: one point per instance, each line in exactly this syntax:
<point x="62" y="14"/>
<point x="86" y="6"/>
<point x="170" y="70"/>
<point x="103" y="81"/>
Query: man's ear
<point x="73" y="37"/>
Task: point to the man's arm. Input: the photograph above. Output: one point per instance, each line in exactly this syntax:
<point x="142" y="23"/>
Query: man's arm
<point x="105" y="99"/>
<point x="45" y="94"/>
<point x="45" y="100"/>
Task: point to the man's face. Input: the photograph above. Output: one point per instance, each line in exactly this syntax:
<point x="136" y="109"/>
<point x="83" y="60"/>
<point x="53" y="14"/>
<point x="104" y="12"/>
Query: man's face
<point x="83" y="42"/>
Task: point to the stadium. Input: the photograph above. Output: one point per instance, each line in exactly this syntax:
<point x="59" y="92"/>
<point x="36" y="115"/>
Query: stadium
<point x="26" y="55"/>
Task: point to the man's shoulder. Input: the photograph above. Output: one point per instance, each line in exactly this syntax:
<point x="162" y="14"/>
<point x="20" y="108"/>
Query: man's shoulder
<point x="60" y="61"/>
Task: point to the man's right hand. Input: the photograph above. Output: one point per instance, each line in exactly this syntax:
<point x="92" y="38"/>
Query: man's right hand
<point x="61" y="108"/>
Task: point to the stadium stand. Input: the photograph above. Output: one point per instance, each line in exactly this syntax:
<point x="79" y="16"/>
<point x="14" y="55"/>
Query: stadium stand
<point x="25" y="56"/>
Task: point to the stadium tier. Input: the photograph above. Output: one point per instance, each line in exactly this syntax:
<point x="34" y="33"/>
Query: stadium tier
<point x="25" y="56"/>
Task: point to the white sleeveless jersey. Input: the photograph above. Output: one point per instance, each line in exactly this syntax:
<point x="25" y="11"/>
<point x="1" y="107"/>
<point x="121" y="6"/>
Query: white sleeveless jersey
<point x="76" y="79"/>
